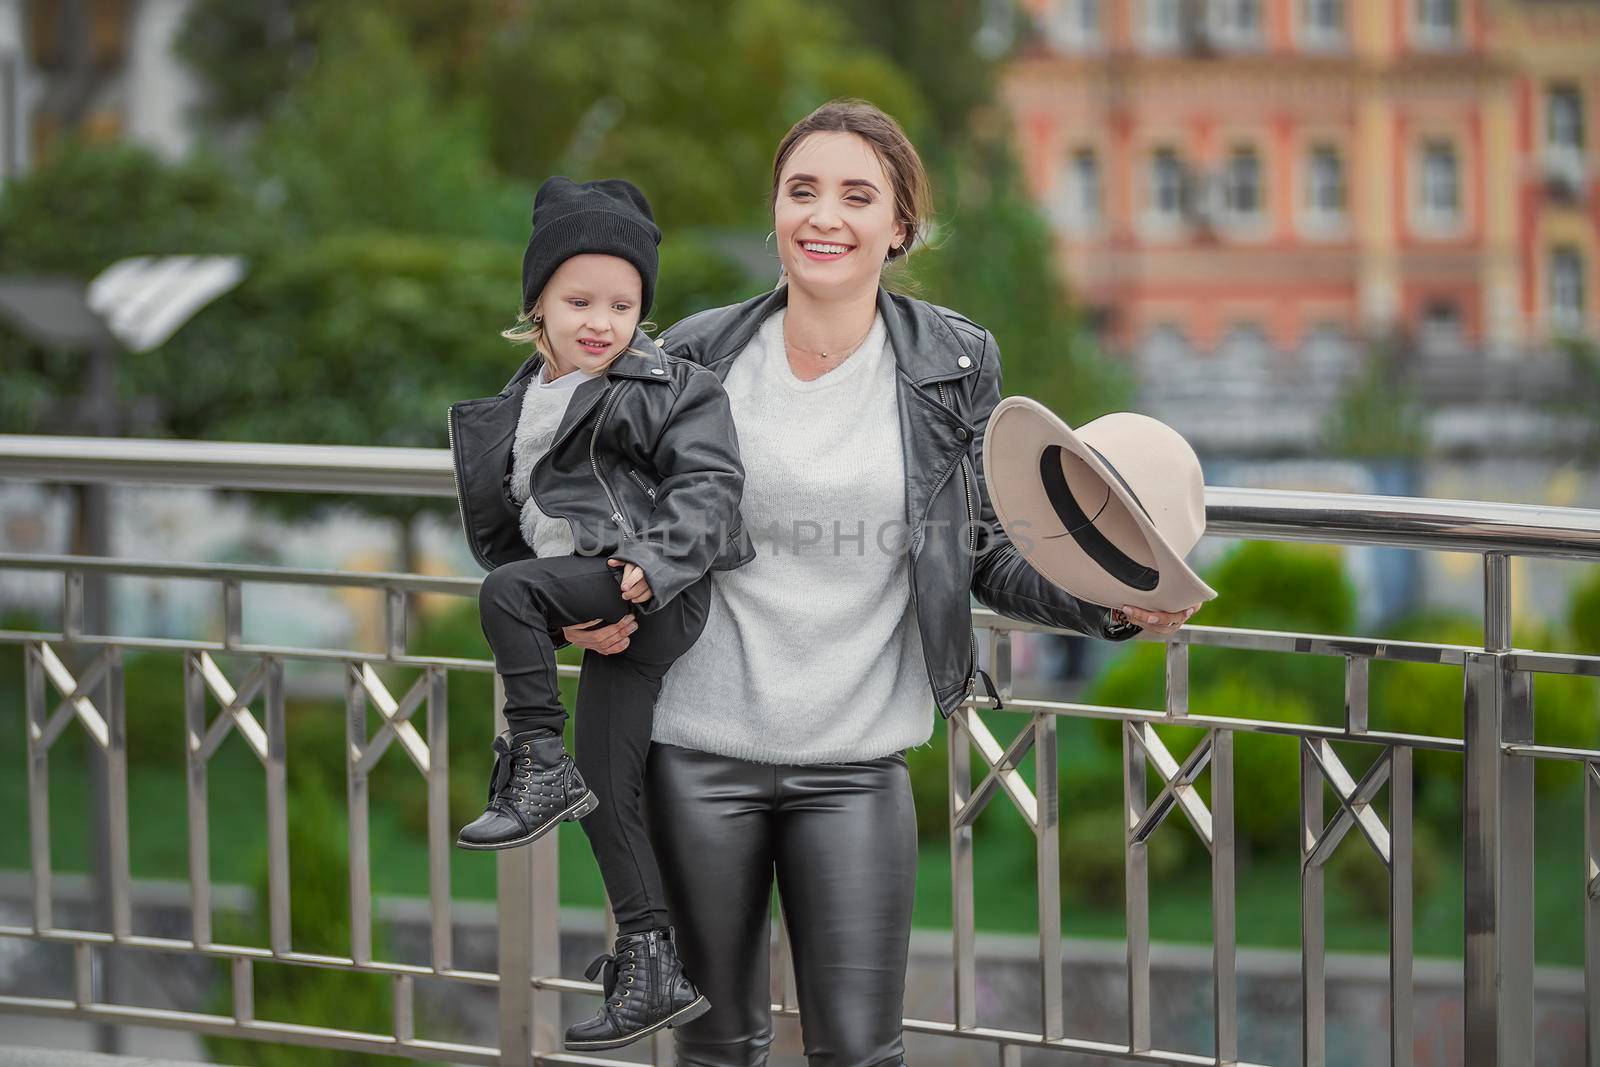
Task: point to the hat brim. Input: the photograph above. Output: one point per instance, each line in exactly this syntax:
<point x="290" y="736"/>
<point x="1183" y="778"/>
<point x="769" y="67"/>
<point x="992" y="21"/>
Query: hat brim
<point x="1018" y="433"/>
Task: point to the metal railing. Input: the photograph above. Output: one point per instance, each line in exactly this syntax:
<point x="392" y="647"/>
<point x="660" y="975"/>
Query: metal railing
<point x="1497" y="745"/>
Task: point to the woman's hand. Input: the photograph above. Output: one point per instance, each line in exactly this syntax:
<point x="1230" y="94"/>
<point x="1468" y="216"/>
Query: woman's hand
<point x="1160" y="623"/>
<point x="607" y="640"/>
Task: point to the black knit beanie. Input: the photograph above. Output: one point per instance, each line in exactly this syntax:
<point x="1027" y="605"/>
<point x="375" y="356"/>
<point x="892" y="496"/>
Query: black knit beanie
<point x="610" y="217"/>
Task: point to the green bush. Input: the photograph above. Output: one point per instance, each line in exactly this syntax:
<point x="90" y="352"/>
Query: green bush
<point x="930" y="784"/>
<point x="1356" y="871"/>
<point x="320" y="922"/>
<point x="1583" y="617"/>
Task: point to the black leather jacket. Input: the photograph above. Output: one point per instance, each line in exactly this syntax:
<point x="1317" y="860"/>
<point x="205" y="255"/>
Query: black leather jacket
<point x="654" y="477"/>
<point x="948" y="383"/>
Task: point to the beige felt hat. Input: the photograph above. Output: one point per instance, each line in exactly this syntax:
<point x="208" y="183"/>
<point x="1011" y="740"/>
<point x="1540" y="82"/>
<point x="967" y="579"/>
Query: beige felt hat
<point x="1107" y="512"/>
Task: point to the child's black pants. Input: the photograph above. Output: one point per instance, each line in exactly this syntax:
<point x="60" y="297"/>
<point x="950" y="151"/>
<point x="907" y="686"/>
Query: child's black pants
<point x="520" y="605"/>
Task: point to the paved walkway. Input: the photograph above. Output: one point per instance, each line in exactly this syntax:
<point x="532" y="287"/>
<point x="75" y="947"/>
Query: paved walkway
<point x="31" y="1056"/>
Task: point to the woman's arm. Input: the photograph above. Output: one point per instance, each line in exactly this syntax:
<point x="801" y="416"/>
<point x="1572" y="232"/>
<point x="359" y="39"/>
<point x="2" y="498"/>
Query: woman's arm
<point x="1002" y="580"/>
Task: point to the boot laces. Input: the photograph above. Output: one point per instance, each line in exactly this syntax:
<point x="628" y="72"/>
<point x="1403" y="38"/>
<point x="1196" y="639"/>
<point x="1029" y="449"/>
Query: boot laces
<point x="513" y="767"/>
<point x="615" y="969"/>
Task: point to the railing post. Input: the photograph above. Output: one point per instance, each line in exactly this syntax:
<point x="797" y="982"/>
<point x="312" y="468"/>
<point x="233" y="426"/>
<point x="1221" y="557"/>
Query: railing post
<point x="530" y="939"/>
<point x="514" y="900"/>
<point x="1498" y="843"/>
<point x="963" y="936"/>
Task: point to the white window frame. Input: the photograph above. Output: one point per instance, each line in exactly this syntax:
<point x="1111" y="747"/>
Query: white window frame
<point x="1427" y="33"/>
<point x="1316" y="36"/>
<point x="1067" y="27"/>
<point x="1564" y="157"/>
<point x="1161" y="37"/>
<point x="1155" y="219"/>
<point x="1427" y="218"/>
<point x="1438" y="340"/>
<point x="1234" y="219"/>
<point x="1315" y="218"/>
<point x="1088" y="204"/>
<point x="1071" y="209"/>
<point x="1226" y="31"/>
<point x="1566" y="290"/>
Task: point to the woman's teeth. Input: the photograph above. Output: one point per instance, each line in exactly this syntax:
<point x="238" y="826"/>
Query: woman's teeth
<point x="829" y="250"/>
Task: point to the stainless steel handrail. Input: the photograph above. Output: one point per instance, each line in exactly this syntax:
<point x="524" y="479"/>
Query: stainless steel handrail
<point x="1262" y="514"/>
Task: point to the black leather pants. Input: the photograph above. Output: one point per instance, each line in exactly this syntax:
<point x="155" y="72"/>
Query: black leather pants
<point x="841" y="841"/>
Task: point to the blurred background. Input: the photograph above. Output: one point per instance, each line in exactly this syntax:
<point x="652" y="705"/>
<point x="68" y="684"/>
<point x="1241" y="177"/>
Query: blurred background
<point x="1344" y="245"/>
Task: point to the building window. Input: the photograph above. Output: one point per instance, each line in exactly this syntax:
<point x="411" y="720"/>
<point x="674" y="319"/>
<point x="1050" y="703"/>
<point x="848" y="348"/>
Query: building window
<point x="1439" y="198"/>
<point x="1079" y="193"/>
<point x="1166" y="186"/>
<point x="1322" y="23"/>
<point x="1563" y="136"/>
<point x="1438" y="23"/>
<point x="1236" y="23"/>
<point x="1440" y="332"/>
<point x="1566" y="290"/>
<point x="1163" y="28"/>
<point x="1564" y="118"/>
<point x="1241" y="186"/>
<point x="1074" y="24"/>
<point x="1325" y="189"/>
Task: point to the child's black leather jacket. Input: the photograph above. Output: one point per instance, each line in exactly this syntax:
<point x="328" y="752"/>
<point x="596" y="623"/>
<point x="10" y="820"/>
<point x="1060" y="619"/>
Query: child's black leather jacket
<point x="644" y="466"/>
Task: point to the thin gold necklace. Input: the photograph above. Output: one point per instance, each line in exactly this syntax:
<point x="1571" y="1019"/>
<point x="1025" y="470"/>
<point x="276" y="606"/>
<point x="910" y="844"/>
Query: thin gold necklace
<point x="825" y="355"/>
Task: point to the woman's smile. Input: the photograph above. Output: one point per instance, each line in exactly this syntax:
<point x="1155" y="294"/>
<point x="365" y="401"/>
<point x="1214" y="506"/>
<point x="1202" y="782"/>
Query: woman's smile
<point x="823" y="251"/>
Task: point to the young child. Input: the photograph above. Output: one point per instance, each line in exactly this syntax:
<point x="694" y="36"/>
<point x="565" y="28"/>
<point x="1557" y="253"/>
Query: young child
<point x="605" y="478"/>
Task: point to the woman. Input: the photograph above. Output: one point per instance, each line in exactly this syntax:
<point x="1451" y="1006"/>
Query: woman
<point x="779" y="737"/>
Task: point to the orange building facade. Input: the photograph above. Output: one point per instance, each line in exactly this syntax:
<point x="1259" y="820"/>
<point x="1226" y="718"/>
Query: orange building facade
<point x="1293" y="166"/>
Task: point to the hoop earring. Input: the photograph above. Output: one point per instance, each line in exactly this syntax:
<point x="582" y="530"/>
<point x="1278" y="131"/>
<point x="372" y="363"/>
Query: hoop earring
<point x="772" y="252"/>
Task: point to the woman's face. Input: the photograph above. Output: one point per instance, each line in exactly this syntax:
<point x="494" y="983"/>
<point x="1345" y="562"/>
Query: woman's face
<point x="835" y="217"/>
<point x="590" y="307"/>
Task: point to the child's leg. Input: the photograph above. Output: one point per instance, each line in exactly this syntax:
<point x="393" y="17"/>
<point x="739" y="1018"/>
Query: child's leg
<point x="616" y="699"/>
<point x="520" y="605"/>
<point x="642" y="978"/>
<point x="535" y="785"/>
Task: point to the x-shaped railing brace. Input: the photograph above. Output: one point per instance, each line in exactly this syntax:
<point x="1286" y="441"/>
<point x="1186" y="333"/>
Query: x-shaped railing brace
<point x="75" y="702"/>
<point x="1177" y="784"/>
<point x="365" y="683"/>
<point x="1002" y="770"/>
<point x="1355" y="803"/>
<point x="235" y="708"/>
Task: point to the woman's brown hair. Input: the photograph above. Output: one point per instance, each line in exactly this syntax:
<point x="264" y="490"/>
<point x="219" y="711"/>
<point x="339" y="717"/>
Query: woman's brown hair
<point x="913" y="200"/>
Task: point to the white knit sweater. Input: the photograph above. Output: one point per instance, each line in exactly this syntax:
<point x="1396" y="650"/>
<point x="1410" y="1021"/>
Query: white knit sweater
<point x="810" y="652"/>
<point x="543" y="405"/>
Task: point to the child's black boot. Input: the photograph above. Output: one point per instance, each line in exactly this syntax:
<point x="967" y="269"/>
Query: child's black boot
<point x="535" y="786"/>
<point x="645" y="990"/>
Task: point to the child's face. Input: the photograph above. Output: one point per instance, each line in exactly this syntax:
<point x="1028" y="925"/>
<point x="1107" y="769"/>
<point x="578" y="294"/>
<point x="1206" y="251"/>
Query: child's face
<point x="590" y="307"/>
<point x="835" y="216"/>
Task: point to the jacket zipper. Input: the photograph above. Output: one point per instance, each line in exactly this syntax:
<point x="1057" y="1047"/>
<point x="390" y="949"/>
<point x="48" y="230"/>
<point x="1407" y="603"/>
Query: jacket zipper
<point x="649" y="492"/>
<point x="966" y="488"/>
<point x="594" y="440"/>
<point x="450" y="437"/>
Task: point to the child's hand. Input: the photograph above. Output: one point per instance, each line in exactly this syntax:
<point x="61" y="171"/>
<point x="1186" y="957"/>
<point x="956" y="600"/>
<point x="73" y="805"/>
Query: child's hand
<point x="635" y="589"/>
